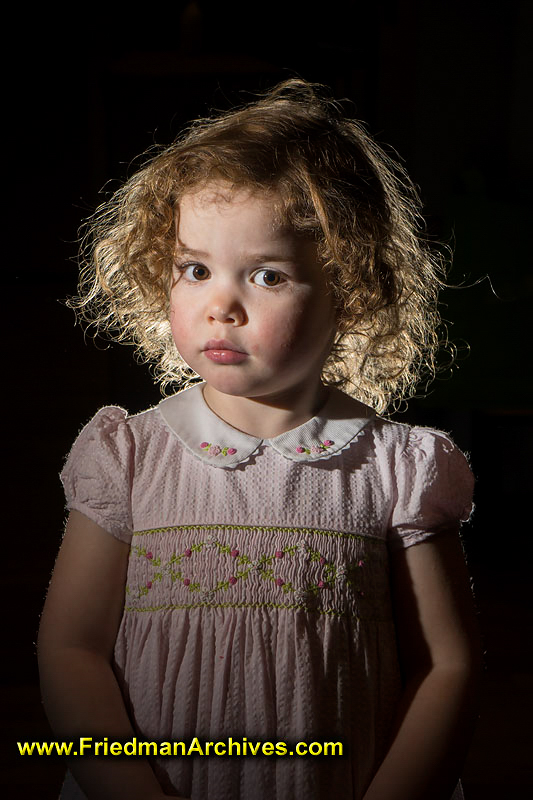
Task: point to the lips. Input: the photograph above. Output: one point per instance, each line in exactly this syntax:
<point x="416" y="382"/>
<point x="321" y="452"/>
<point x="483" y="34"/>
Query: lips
<point x="222" y="344"/>
<point x="220" y="351"/>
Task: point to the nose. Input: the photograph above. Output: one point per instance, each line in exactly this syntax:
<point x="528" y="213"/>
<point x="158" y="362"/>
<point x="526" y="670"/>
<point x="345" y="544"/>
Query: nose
<point x="226" y="307"/>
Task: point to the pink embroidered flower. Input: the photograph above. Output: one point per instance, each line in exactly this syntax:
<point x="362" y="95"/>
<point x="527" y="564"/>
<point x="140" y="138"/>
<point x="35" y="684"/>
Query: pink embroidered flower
<point x="149" y="555"/>
<point x="322" y="561"/>
<point x="316" y="448"/>
<point x="233" y="580"/>
<point x="361" y="564"/>
<point x="186" y="581"/>
<point x="215" y="450"/>
<point x="279" y="582"/>
<point x="279" y="553"/>
<point x="321" y="584"/>
<point x="149" y="584"/>
<point x="187" y="552"/>
<point x="234" y="553"/>
<point x="231" y="451"/>
<point x="204" y="445"/>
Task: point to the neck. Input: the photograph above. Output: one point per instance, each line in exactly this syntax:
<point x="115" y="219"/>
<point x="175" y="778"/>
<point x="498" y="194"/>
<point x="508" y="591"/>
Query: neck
<point x="267" y="417"/>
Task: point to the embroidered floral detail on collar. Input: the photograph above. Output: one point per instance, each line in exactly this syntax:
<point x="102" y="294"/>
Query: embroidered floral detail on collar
<point x="316" y="448"/>
<point x="216" y="450"/>
<point x="219" y="444"/>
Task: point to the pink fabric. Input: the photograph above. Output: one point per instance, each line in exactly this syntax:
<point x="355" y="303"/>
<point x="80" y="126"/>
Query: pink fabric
<point x="258" y="602"/>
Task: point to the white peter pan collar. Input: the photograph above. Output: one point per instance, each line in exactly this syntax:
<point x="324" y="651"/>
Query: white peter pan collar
<point x="216" y="442"/>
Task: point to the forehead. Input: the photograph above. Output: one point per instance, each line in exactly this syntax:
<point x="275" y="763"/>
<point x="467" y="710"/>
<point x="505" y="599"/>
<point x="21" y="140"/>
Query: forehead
<point x="224" y="201"/>
<point x="239" y="222"/>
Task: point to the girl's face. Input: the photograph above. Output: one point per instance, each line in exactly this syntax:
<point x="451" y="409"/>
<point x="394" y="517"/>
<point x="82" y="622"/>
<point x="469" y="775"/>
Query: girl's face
<point x="250" y="308"/>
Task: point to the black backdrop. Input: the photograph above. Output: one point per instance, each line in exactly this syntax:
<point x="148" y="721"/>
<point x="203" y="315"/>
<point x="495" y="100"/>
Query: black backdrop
<point x="447" y="86"/>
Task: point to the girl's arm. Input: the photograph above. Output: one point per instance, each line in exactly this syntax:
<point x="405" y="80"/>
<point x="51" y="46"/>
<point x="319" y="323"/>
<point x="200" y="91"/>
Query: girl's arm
<point x="77" y="635"/>
<point x="440" y="656"/>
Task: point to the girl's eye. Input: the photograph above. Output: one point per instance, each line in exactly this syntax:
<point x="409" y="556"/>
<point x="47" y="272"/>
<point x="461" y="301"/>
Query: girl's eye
<point x="194" y="272"/>
<point x="268" y="278"/>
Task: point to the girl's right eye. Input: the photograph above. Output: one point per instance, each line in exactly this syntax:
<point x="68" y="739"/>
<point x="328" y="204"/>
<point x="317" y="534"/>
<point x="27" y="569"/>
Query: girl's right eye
<point x="194" y="272"/>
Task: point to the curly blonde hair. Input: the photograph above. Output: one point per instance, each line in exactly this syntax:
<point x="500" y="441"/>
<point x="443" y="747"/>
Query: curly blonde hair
<point x="336" y="186"/>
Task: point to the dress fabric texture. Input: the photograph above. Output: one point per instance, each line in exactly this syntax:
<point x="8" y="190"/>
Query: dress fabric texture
<point x="257" y="603"/>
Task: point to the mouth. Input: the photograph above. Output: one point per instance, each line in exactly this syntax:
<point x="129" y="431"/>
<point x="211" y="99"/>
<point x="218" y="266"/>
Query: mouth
<point x="223" y="352"/>
<point x="223" y="344"/>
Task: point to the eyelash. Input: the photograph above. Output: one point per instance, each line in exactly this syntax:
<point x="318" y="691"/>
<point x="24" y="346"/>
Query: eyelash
<point x="183" y="268"/>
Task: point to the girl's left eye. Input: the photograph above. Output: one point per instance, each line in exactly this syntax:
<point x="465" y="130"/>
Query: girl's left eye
<point x="268" y="278"/>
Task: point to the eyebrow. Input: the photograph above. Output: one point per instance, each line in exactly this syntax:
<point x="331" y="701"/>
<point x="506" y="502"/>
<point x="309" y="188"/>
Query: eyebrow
<point x="257" y="258"/>
<point x="188" y="251"/>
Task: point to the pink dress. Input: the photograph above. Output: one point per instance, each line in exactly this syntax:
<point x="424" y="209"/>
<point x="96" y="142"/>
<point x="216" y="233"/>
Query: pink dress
<point x="257" y="603"/>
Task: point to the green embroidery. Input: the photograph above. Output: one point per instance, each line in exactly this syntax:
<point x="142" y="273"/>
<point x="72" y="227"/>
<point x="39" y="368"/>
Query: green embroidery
<point x="265" y="565"/>
<point x="288" y="606"/>
<point x="265" y="528"/>
<point x="142" y="551"/>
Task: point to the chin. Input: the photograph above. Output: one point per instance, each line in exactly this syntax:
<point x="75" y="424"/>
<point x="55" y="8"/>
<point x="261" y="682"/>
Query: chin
<point x="234" y="385"/>
<point x="237" y="385"/>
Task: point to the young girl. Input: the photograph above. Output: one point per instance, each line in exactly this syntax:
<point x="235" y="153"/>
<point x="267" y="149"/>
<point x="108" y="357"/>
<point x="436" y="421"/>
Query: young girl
<point x="262" y="557"/>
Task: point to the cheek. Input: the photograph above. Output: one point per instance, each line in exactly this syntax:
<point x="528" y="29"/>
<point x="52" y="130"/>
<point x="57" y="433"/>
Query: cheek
<point x="179" y="323"/>
<point x="297" y="330"/>
<point x="279" y="325"/>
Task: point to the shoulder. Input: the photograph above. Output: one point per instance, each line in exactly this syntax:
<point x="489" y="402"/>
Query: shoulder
<point x="106" y="422"/>
<point x="98" y="473"/>
<point x="423" y="455"/>
<point x="107" y="429"/>
<point x="414" y="443"/>
<point x="433" y="486"/>
<point x="113" y="423"/>
<point x="115" y="438"/>
<point x="433" y="452"/>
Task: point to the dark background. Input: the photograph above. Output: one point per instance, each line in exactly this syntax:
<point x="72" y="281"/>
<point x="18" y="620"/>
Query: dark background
<point x="447" y="85"/>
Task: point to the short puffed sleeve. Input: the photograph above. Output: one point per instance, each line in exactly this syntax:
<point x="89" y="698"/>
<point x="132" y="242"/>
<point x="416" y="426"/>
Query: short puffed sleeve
<point x="434" y="487"/>
<point x="97" y="474"/>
